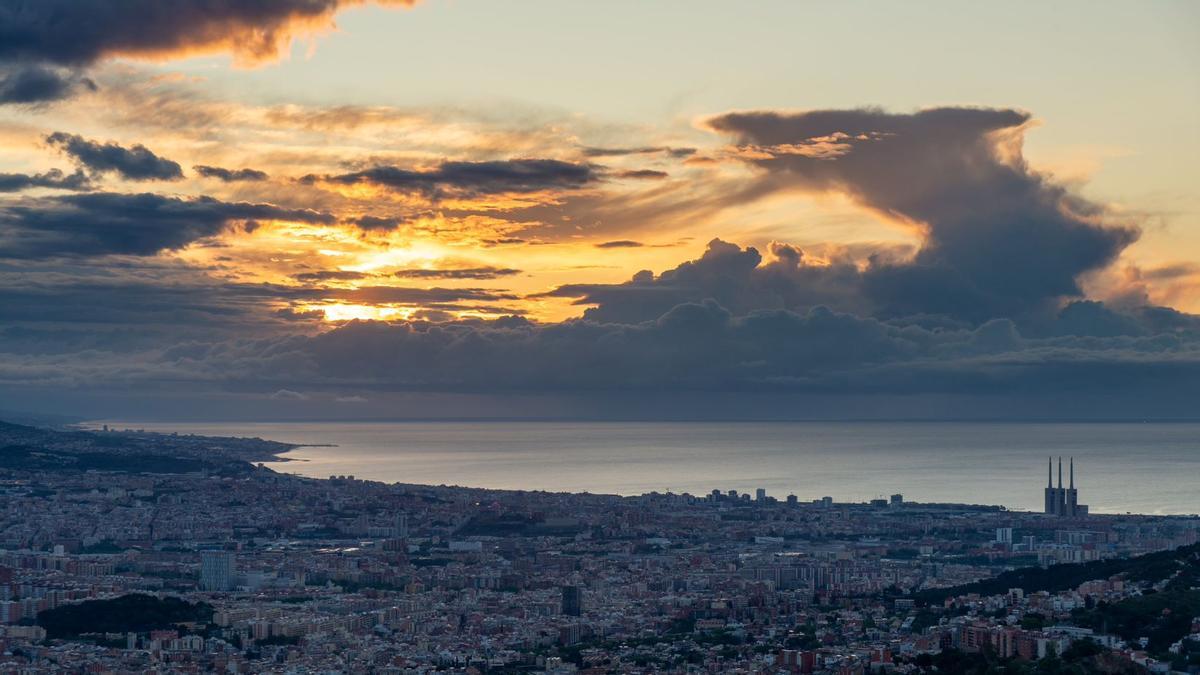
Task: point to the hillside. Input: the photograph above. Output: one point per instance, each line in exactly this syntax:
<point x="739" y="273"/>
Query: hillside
<point x="1180" y="565"/>
<point x="26" y="448"/>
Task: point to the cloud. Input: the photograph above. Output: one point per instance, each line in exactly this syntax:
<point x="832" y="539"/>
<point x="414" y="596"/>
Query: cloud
<point x="743" y="281"/>
<point x="35" y="84"/>
<point x="694" y="347"/>
<point x="230" y="175"/>
<point x="376" y="222"/>
<point x="620" y="243"/>
<point x="1088" y="317"/>
<point x="331" y="275"/>
<point x="1000" y="238"/>
<point x="730" y="275"/>
<point x="472" y="178"/>
<point x="641" y="150"/>
<point x="1172" y="271"/>
<point x="81" y="32"/>
<point x="289" y="395"/>
<point x="703" y="347"/>
<point x="54" y="178"/>
<point x="139" y="303"/>
<point x="136" y="163"/>
<point x="156" y="330"/>
<point x="485" y="272"/>
<point x="392" y="294"/>
<point x="643" y="174"/>
<point x="105" y="223"/>
<point x="46" y="46"/>
<point x="953" y="316"/>
<point x="382" y="295"/>
<point x="655" y="207"/>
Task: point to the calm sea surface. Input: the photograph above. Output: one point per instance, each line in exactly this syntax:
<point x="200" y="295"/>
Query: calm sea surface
<point x="1136" y="467"/>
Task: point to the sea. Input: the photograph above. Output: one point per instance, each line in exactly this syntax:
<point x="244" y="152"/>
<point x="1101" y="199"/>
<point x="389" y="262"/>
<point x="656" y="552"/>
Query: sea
<point x="1135" y="467"/>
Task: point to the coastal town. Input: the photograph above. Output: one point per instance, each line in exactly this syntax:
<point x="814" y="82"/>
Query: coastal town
<point x="125" y="551"/>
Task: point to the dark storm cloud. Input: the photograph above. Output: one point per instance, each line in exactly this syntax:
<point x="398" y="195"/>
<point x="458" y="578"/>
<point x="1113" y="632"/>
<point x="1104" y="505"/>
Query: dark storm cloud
<point x="118" y="311"/>
<point x="701" y="346"/>
<point x="692" y="347"/>
<point x="230" y="175"/>
<point x="135" y="304"/>
<point x="620" y="243"/>
<point x="34" y="83"/>
<point x="54" y="178"/>
<point x="106" y="223"/>
<point x="740" y="280"/>
<point x="47" y="45"/>
<point x="1000" y="238"/>
<point x="81" y="32"/>
<point x="734" y="277"/>
<point x="473" y="178"/>
<point x="460" y="273"/>
<point x="136" y="163"/>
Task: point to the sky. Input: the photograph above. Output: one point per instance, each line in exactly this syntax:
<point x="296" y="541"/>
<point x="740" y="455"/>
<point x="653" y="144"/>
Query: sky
<point x="338" y="209"/>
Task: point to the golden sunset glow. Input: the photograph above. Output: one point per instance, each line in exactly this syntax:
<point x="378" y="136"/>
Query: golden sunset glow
<point x="331" y="194"/>
<point x="341" y="312"/>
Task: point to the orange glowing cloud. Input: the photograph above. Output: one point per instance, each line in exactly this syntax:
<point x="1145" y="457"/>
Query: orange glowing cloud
<point x="252" y="41"/>
<point x="80" y="33"/>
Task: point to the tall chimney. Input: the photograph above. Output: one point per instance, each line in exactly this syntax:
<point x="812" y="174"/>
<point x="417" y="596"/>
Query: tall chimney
<point x="1060" y="473"/>
<point x="1072" y="473"/>
<point x="1049" y="472"/>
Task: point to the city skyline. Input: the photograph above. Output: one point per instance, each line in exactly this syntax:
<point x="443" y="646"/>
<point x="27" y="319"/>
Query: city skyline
<point x="599" y="338"/>
<point x="307" y="209"/>
<point x="135" y="551"/>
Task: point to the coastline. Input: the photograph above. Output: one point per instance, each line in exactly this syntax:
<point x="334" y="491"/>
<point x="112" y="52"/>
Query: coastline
<point x="945" y="462"/>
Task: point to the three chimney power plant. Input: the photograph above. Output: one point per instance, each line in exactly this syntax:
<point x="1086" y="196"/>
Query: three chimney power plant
<point x="1062" y="501"/>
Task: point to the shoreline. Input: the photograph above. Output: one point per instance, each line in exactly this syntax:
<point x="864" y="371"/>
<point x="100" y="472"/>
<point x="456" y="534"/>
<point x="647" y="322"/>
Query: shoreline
<point x="256" y="449"/>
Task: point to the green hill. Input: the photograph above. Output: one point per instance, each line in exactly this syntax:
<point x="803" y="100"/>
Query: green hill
<point x="1182" y="563"/>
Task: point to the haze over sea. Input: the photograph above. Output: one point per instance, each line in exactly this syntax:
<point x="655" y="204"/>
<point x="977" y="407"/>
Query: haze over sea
<point x="1136" y="467"/>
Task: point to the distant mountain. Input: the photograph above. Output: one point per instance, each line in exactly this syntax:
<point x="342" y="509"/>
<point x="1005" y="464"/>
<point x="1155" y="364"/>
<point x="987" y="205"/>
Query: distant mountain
<point x="30" y="448"/>
<point x="42" y="420"/>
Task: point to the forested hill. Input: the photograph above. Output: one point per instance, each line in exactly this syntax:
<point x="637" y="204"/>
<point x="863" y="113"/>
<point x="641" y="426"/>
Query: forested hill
<point x="1181" y="565"/>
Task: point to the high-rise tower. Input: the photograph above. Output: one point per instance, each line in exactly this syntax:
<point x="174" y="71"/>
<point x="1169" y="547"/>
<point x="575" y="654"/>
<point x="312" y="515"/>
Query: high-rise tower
<point x="572" y="600"/>
<point x="216" y="571"/>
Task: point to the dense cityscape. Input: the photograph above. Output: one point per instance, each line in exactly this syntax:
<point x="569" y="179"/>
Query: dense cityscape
<point x="639" y="337"/>
<point x="125" y="551"/>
